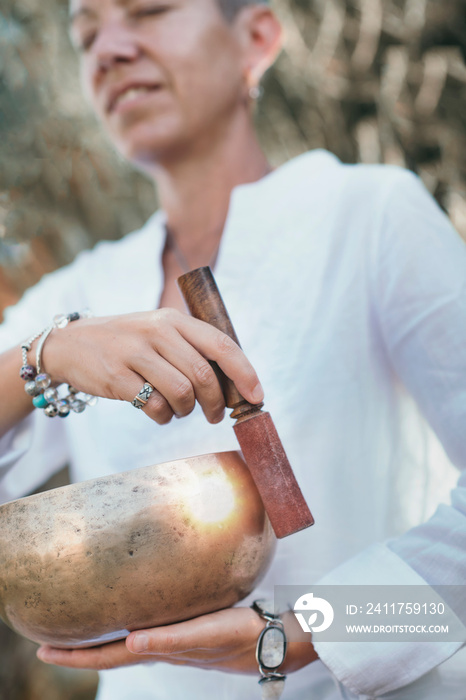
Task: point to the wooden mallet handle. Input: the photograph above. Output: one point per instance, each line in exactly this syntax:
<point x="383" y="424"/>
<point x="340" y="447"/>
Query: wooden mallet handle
<point x="203" y="300"/>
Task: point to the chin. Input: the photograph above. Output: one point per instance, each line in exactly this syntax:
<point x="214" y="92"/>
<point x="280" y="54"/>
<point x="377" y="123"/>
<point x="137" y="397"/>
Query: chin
<point x="144" y="145"/>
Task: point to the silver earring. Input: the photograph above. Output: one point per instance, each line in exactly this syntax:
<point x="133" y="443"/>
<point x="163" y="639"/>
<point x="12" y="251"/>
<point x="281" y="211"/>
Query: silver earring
<point x="255" y="92"/>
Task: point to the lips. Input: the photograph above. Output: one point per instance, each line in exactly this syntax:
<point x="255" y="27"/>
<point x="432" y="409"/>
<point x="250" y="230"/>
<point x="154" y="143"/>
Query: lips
<point x="128" y="92"/>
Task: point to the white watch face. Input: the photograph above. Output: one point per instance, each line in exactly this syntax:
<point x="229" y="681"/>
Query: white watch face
<point x="271" y="648"/>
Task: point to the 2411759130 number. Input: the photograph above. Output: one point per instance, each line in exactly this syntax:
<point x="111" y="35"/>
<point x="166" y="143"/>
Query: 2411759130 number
<point x="405" y="608"/>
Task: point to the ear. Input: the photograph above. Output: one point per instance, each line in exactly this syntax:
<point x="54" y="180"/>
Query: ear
<point x="260" y="35"/>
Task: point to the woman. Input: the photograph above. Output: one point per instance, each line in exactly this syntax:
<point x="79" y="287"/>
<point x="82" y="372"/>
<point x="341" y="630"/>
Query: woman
<point x="340" y="281"/>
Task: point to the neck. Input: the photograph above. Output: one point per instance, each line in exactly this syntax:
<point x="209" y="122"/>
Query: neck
<point x="194" y="189"/>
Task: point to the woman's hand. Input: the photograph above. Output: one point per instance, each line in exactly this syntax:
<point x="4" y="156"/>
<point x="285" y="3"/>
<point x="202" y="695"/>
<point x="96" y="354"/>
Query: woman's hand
<point x="113" y="356"/>
<point x="224" y="640"/>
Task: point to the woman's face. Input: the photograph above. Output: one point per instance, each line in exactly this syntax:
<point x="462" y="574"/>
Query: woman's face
<point x="162" y="75"/>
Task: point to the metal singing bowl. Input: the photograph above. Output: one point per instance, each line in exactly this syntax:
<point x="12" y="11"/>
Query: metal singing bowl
<point x="88" y="563"/>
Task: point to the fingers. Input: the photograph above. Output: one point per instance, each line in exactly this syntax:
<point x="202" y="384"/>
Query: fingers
<point x="196" y="380"/>
<point x="221" y="631"/>
<point x="96" y="658"/>
<point x="212" y="344"/>
<point x="130" y="383"/>
<point x="113" y="357"/>
<point x="173" y="393"/>
<point x="177" y="385"/>
<point x="156" y="406"/>
<point x="178" y="366"/>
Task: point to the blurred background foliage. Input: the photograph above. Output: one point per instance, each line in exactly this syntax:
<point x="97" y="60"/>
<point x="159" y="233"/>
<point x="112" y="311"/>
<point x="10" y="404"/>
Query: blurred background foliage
<point x="373" y="81"/>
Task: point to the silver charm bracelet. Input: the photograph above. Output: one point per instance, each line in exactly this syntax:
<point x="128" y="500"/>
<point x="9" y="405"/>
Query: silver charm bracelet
<point x="38" y="382"/>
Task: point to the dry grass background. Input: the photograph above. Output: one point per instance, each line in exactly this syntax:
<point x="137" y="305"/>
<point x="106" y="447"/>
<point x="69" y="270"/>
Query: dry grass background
<point x="374" y="81"/>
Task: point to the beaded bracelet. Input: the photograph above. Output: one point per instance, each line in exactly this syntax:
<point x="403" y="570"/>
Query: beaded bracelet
<point x="38" y="382"/>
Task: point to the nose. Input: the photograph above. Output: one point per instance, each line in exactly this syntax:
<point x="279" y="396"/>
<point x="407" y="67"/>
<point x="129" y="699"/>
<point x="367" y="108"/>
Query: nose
<point x="114" y="44"/>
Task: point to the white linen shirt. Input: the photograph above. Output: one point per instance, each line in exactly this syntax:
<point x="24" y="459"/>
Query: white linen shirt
<point x="347" y="289"/>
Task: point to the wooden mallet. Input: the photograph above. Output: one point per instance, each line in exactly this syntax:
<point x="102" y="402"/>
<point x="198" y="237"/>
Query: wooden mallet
<point x="262" y="449"/>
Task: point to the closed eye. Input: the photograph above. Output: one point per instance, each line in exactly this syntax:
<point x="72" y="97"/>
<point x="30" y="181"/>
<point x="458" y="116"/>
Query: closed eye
<point x="83" y="40"/>
<point x="150" y="11"/>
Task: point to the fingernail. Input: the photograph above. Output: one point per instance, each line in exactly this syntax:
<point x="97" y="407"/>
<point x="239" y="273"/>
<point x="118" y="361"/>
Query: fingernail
<point x="139" y="643"/>
<point x="257" y="393"/>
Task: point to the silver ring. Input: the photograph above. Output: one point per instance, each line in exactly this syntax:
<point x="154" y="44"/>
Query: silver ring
<point x="142" y="398"/>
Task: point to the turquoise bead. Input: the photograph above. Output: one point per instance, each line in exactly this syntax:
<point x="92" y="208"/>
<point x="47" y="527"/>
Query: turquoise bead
<point x="40" y="401"/>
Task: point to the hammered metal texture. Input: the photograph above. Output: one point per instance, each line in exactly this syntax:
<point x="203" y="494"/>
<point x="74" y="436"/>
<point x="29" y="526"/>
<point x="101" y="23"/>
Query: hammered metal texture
<point x="90" y="562"/>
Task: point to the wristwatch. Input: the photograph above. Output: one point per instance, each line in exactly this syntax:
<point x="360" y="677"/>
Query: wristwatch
<point x="270" y="651"/>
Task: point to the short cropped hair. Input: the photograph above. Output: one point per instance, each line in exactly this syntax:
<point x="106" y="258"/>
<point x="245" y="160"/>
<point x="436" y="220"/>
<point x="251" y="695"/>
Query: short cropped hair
<point x="231" y="7"/>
